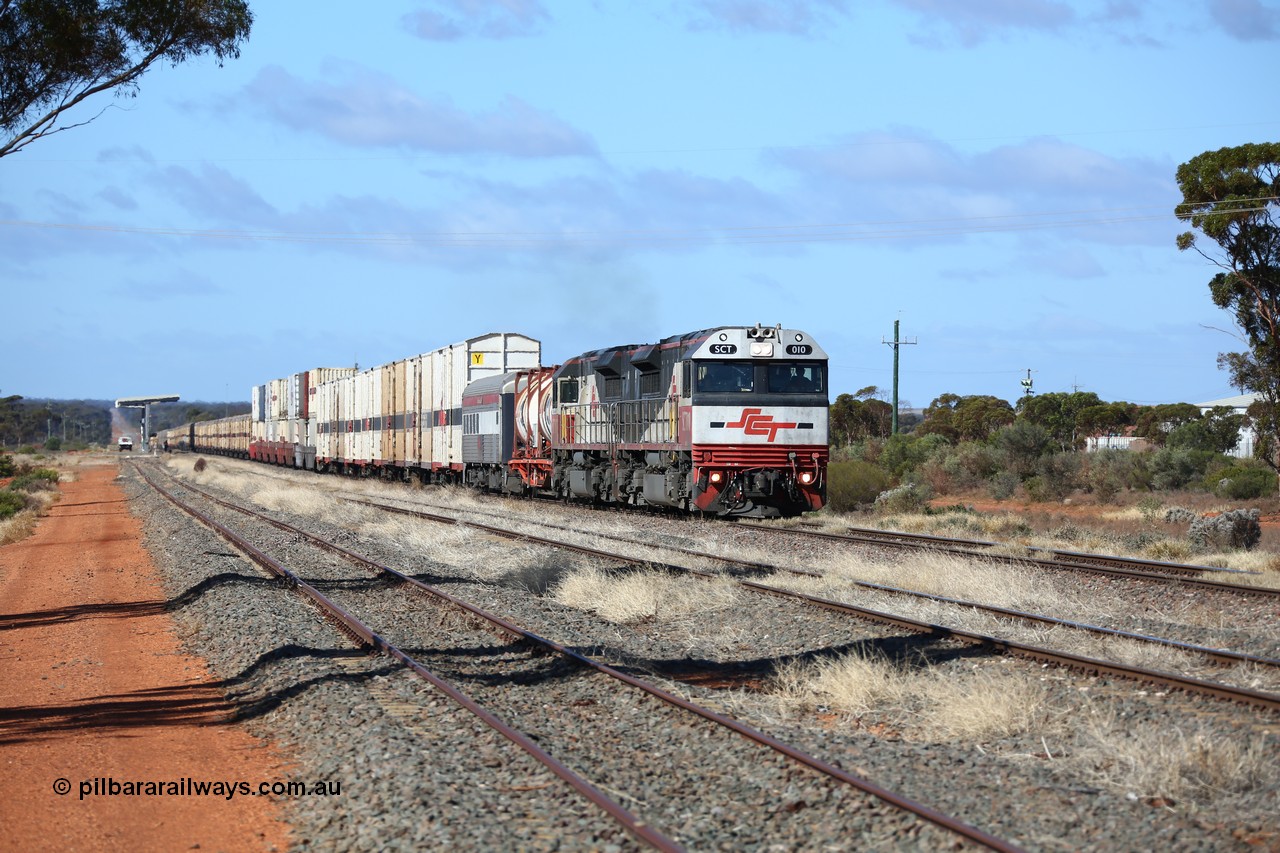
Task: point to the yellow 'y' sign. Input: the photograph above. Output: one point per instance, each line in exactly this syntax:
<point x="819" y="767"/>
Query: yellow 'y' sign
<point x="477" y="359"/>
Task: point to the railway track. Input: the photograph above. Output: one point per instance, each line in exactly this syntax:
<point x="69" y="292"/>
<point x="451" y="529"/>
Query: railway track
<point x="1047" y="558"/>
<point x="1259" y="699"/>
<point x="1225" y="657"/>
<point x="640" y="829"/>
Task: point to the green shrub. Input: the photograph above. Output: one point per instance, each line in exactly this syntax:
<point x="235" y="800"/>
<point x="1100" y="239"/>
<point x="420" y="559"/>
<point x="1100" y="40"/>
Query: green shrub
<point x="1002" y="486"/>
<point x="903" y="454"/>
<point x="971" y="464"/>
<point x="7" y="468"/>
<point x="1150" y="507"/>
<point x="854" y="483"/>
<point x="11" y="503"/>
<point x="53" y="443"/>
<point x="1241" y="483"/>
<point x="1178" y="468"/>
<point x="1023" y="443"/>
<point x="1109" y="472"/>
<point x="39" y="478"/>
<point x="1059" y="475"/>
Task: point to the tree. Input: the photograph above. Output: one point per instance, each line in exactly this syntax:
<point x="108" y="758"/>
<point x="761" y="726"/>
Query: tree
<point x="54" y="54"/>
<point x="1057" y="413"/>
<point x="972" y="418"/>
<point x="1218" y="431"/>
<point x="1232" y="196"/>
<point x="1156" y="423"/>
<point x="1104" y="419"/>
<point x="857" y="416"/>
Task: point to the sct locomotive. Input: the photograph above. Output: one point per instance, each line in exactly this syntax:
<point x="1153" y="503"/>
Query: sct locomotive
<point x="730" y="421"/>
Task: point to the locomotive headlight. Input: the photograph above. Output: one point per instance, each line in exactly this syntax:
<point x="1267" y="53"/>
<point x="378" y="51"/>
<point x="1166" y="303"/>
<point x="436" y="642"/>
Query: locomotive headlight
<point x="806" y="477"/>
<point x="764" y="350"/>
<point x="715" y="477"/>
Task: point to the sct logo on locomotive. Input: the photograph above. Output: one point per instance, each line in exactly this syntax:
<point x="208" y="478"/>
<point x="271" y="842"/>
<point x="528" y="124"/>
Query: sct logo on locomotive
<point x="752" y="422"/>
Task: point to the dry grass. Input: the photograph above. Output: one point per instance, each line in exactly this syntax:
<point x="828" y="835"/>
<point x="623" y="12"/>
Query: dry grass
<point x="18" y="526"/>
<point x="643" y="596"/>
<point x="980" y="704"/>
<point x="1196" y="765"/>
<point x="951" y="576"/>
<point x="1135" y="531"/>
<point x="22" y="524"/>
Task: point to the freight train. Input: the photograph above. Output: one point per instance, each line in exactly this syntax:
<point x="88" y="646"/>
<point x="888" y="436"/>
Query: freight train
<point x="730" y="421"/>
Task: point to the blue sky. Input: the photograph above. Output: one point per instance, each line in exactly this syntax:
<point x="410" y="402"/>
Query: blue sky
<point x="360" y="186"/>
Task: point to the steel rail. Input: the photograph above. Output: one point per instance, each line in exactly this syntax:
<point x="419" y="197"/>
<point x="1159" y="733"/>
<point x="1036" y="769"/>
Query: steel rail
<point x="897" y="800"/>
<point x="892" y="541"/>
<point x="1266" y="701"/>
<point x="1060" y="554"/>
<point x="1222" y="656"/>
<point x="365" y="635"/>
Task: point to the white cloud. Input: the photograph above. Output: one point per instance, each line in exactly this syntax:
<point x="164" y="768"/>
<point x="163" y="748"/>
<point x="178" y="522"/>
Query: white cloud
<point x="452" y="20"/>
<point x="366" y="108"/>
<point x="789" y="17"/>
<point x="1246" y="20"/>
<point x="908" y="183"/>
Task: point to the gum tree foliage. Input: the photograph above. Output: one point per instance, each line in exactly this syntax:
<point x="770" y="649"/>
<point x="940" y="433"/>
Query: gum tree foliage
<point x="1155" y="423"/>
<point x="1057" y="413"/>
<point x="1232" y="197"/>
<point x="1217" y="431"/>
<point x="55" y="54"/>
<point x="861" y="415"/>
<point x="33" y="421"/>
<point x="1105" y="419"/>
<point x="972" y="418"/>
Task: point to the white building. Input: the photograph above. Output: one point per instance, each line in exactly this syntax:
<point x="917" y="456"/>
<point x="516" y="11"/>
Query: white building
<point x="1239" y="405"/>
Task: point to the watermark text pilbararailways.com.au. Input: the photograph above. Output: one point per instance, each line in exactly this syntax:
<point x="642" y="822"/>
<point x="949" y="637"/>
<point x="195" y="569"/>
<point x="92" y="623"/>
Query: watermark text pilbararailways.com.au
<point x="107" y="786"/>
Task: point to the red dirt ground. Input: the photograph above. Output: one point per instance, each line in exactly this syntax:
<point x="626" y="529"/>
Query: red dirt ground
<point x="94" y="684"/>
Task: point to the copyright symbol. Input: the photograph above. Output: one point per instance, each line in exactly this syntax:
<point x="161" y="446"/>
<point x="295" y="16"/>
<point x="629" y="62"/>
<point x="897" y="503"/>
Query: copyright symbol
<point x="62" y="787"/>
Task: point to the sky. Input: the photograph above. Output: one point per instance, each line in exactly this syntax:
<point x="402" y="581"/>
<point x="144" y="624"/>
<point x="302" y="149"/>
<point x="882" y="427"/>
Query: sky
<point x="367" y="183"/>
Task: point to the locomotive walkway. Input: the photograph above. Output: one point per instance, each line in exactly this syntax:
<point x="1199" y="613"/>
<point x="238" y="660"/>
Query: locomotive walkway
<point x="94" y="686"/>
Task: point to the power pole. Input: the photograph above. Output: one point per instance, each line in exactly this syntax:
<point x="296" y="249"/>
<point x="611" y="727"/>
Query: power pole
<point x="895" y="343"/>
<point x="1026" y="385"/>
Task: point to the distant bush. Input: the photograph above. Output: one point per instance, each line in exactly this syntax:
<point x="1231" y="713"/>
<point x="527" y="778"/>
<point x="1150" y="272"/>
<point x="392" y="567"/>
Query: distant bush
<point x="36" y="479"/>
<point x="1109" y="472"/>
<point x="7" y="468"/>
<point x="909" y="497"/>
<point x="971" y="464"/>
<point x="1241" y="483"/>
<point x="1057" y="474"/>
<point x="1178" y="468"/>
<point x="1237" y="528"/>
<point x="902" y="454"/>
<point x="53" y="443"/>
<point x="11" y="503"/>
<point x="1023" y="443"/>
<point x="1003" y="485"/>
<point x="1150" y="507"/>
<point x="854" y="483"/>
<point x="1179" y="515"/>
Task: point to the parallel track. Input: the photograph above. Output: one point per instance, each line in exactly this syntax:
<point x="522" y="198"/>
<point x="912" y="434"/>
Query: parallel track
<point x="1123" y="567"/>
<point x="365" y="636"/>
<point x="1266" y="701"/>
<point x="1224" y="657"/>
<point x="630" y="822"/>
